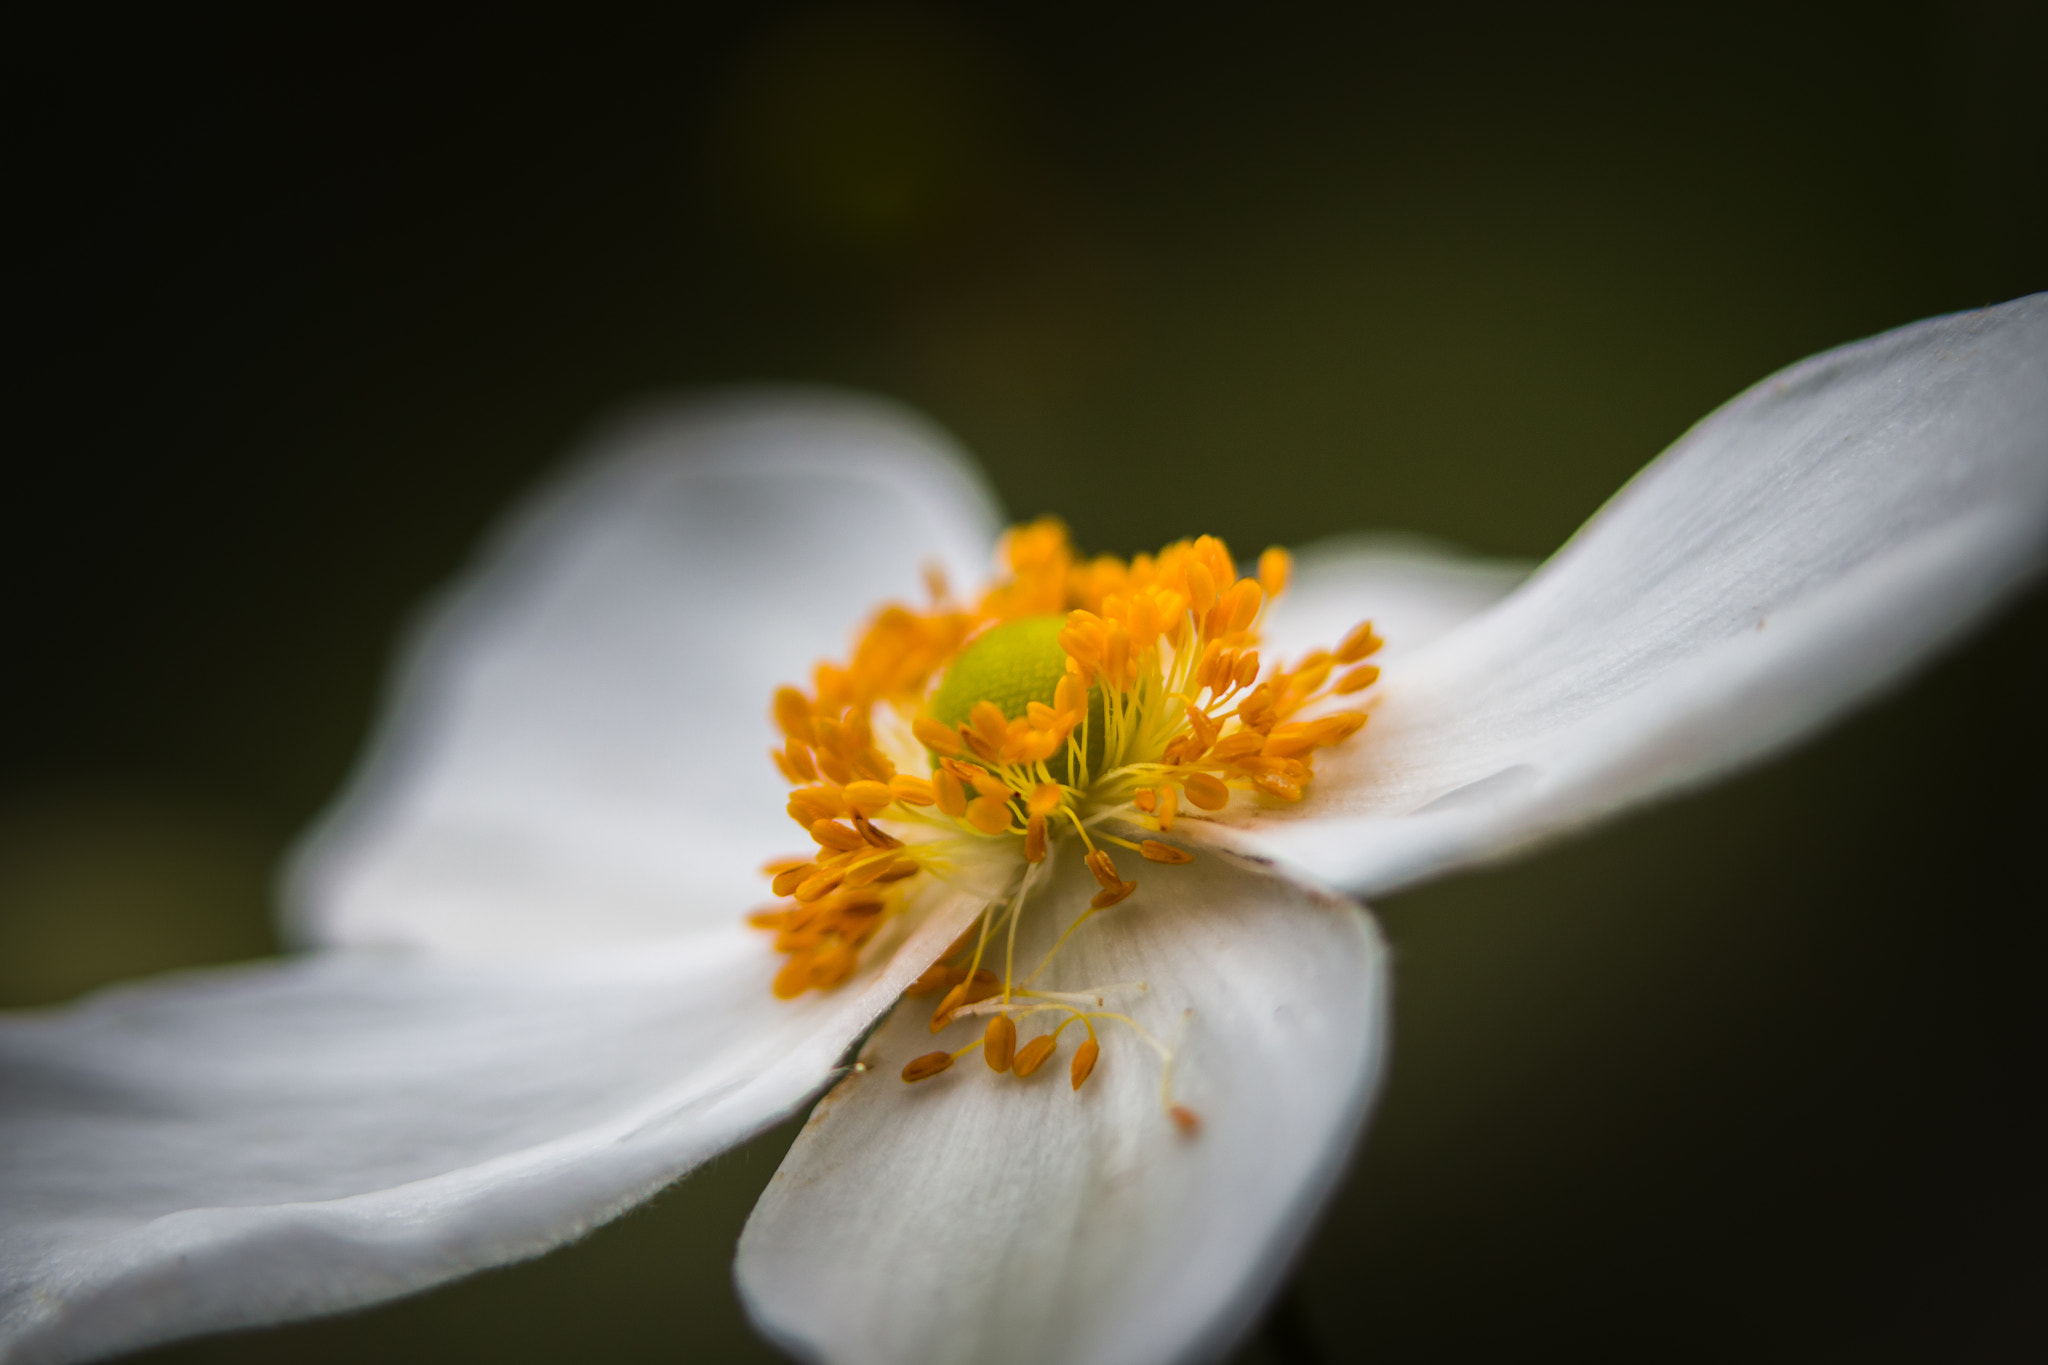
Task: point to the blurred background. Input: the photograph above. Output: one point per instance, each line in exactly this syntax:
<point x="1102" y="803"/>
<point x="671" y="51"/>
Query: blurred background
<point x="1755" y="1075"/>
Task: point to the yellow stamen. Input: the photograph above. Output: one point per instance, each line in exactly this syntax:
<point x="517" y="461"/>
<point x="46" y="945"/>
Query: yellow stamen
<point x="989" y="814"/>
<point x="1276" y="566"/>
<point x="999" y="1043"/>
<point x="940" y="739"/>
<point x="1359" y="643"/>
<point x="1033" y="1054"/>
<point x="951" y="796"/>
<point x="869" y="798"/>
<point x="1084" y="1062"/>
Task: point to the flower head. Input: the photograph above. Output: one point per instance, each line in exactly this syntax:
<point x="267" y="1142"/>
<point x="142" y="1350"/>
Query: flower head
<point x="534" y="1002"/>
<point x="1069" y="701"/>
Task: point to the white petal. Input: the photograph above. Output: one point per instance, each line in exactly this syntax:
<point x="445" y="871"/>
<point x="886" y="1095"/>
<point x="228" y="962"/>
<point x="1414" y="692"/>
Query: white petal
<point x="979" y="1217"/>
<point x="1411" y="588"/>
<point x="577" y="749"/>
<point x="1800" y="549"/>
<point x="243" y="1146"/>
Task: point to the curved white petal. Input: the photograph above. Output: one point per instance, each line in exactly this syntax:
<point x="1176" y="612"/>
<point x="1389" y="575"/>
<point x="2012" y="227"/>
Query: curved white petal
<point x="1411" y="588"/>
<point x="979" y="1217"/>
<point x="1797" y="551"/>
<point x="242" y="1146"/>
<point x="577" y="746"/>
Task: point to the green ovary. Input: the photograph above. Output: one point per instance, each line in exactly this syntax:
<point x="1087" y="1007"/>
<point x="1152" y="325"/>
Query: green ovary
<point x="1013" y="665"/>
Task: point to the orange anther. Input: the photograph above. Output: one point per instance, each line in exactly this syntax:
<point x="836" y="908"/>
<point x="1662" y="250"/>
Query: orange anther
<point x="1359" y="643"/>
<point x="1113" y="896"/>
<point x="940" y="739"/>
<point x="1335" y="729"/>
<point x="912" y="791"/>
<point x="1070" y="698"/>
<point x="1185" y="1119"/>
<point x="1236" y="746"/>
<point x="790" y="878"/>
<point x="831" y="965"/>
<point x="970" y="991"/>
<point x="951" y="796"/>
<point x="1201" y="589"/>
<point x="1289" y="740"/>
<point x="989" y="814"/>
<point x="1104" y="868"/>
<point x="936" y="978"/>
<point x="1358" y="679"/>
<point x="999" y="1043"/>
<point x="1256" y="710"/>
<point x="1310" y="675"/>
<point x="1247" y="671"/>
<point x="1206" y="791"/>
<point x="1084" y="1061"/>
<point x="872" y="836"/>
<point x="1034" y="840"/>
<point x="866" y="872"/>
<point x="868" y="798"/>
<point x="833" y="835"/>
<point x="873" y="765"/>
<point x="988" y="721"/>
<point x="1274" y="785"/>
<point x="1116" y="660"/>
<point x="816" y="886"/>
<point x="1033" y="1054"/>
<point x="1169" y="803"/>
<point x="988" y="784"/>
<point x="798" y="755"/>
<point x="833" y="768"/>
<point x="925" y="1067"/>
<point x="1045" y="798"/>
<point x="794" y="978"/>
<point x="896" y="872"/>
<point x="1242" y="603"/>
<point x="793" y="714"/>
<point x="1276" y="566"/>
<point x="810" y="804"/>
<point x="1216" y="556"/>
<point x="1156" y="852"/>
<point x="1146" y="800"/>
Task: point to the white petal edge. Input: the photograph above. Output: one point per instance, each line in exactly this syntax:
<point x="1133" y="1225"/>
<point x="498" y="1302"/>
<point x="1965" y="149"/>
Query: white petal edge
<point x="576" y="750"/>
<point x="229" y="1148"/>
<point x="1796" y="552"/>
<point x="979" y="1217"/>
<point x="1412" y="588"/>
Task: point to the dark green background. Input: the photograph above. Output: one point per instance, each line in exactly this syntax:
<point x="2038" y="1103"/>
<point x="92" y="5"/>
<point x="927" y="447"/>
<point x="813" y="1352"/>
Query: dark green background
<point x="1756" y="1075"/>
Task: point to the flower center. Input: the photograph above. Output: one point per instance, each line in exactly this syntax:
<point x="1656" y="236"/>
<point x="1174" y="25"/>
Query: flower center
<point x="1070" y="700"/>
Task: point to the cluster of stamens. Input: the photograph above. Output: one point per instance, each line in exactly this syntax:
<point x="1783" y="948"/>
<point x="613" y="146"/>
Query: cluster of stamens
<point x="1070" y="694"/>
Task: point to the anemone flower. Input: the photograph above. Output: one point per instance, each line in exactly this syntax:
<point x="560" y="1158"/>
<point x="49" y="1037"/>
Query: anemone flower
<point x="1110" y="813"/>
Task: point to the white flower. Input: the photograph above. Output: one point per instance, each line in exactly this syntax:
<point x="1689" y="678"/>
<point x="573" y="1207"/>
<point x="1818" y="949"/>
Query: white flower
<point x="534" y="1001"/>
